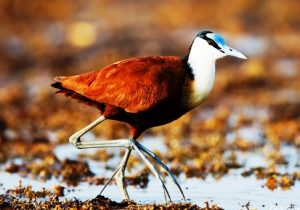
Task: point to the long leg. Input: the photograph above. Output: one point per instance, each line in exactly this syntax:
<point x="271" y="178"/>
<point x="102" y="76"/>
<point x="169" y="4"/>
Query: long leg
<point x="75" y="138"/>
<point x="120" y="171"/>
<point x="156" y="158"/>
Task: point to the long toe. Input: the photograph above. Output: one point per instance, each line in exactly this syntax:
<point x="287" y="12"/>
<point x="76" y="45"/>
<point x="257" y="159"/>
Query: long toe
<point x="164" y="166"/>
<point x="153" y="170"/>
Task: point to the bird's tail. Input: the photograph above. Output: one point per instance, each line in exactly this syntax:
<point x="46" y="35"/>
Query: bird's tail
<point x="58" y="84"/>
<point x="70" y="93"/>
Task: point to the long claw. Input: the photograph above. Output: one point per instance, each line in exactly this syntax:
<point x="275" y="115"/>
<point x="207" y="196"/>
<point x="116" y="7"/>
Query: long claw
<point x="152" y="169"/>
<point x="156" y="158"/>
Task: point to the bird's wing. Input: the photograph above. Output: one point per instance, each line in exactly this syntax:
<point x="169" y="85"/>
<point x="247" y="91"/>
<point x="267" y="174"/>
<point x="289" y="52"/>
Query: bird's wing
<point x="136" y="84"/>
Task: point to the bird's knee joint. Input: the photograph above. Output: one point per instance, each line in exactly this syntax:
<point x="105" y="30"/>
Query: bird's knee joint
<point x="130" y="143"/>
<point x="74" y="141"/>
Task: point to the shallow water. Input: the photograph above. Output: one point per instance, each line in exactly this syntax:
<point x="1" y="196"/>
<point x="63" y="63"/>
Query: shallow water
<point x="232" y="191"/>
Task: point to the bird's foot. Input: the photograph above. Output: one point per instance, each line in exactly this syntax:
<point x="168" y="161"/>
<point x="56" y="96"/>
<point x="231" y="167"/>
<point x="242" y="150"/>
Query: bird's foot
<point x="142" y="151"/>
<point x="152" y="169"/>
<point x="165" y="167"/>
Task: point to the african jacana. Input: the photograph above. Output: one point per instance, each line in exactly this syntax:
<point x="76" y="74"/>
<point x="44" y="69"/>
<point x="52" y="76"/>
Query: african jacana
<point x="146" y="92"/>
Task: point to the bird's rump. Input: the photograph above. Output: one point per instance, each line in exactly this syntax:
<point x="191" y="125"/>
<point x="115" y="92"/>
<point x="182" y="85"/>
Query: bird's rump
<point x="135" y="85"/>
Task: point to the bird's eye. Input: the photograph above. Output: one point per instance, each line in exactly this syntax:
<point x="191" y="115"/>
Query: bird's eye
<point x="211" y="42"/>
<point x="214" y="44"/>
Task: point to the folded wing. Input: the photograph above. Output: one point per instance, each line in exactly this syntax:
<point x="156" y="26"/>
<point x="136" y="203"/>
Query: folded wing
<point x="136" y="84"/>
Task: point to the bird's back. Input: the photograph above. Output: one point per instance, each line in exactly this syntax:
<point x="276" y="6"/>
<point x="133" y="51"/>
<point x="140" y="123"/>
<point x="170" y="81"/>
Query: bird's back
<point x="135" y="85"/>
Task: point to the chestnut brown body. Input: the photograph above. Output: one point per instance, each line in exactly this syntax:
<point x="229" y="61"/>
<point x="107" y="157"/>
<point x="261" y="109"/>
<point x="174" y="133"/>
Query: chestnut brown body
<point x="142" y="92"/>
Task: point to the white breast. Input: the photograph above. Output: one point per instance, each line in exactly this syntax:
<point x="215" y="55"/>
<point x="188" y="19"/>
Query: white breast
<point x="202" y="63"/>
<point x="202" y="86"/>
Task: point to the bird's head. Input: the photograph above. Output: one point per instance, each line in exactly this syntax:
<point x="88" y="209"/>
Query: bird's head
<point x="214" y="46"/>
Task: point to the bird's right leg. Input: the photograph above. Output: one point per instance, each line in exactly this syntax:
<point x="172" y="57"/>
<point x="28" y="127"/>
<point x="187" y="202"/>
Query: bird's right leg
<point x="75" y="138"/>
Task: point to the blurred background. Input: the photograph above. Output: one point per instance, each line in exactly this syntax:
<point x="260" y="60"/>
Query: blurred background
<point x="43" y="39"/>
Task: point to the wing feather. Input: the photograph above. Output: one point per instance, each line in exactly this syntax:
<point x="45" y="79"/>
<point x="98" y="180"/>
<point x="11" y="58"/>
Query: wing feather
<point x="136" y="84"/>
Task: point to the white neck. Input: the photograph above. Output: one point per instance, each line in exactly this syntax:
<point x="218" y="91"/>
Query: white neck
<point x="202" y="61"/>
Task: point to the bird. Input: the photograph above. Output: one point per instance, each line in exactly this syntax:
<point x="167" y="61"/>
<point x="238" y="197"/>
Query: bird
<point x="145" y="92"/>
